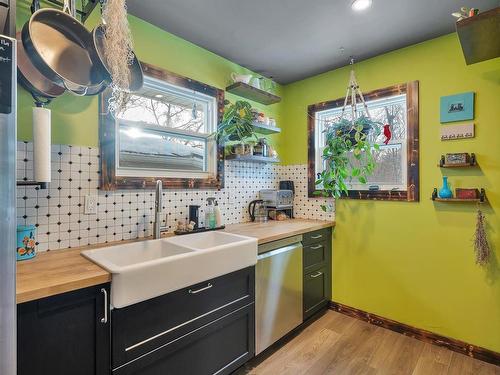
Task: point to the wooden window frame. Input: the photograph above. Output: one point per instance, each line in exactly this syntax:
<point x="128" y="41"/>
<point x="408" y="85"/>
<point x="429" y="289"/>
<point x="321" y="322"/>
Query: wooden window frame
<point x="107" y="140"/>
<point x="412" y="165"/>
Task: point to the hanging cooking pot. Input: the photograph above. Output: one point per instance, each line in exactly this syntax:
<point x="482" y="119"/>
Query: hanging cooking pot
<point x="57" y="45"/>
<point x="30" y="78"/>
<point x="98" y="54"/>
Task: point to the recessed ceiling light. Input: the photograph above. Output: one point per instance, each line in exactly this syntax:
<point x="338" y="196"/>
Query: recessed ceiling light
<point x="361" y="4"/>
<point x="158" y="96"/>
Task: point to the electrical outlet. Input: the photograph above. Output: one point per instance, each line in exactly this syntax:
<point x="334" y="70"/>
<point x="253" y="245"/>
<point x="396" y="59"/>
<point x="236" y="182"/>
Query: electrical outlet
<point x="90" y="207"/>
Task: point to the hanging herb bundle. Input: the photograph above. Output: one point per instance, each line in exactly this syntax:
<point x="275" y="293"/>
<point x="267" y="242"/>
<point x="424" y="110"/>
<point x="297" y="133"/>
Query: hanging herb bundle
<point x="118" y="51"/>
<point x="481" y="245"/>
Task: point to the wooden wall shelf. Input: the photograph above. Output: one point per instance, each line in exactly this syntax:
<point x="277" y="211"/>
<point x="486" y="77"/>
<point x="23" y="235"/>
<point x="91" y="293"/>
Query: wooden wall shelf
<point x="481" y="199"/>
<point x="479" y="36"/>
<point x="265" y="129"/>
<point x="253" y="158"/>
<point x="471" y="164"/>
<point x="252" y="93"/>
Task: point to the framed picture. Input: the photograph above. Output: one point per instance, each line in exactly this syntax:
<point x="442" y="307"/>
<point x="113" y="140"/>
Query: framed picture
<point x="459" y="107"/>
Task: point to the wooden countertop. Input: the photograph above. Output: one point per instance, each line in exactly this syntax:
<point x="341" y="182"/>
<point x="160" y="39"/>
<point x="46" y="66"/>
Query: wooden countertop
<point x="55" y="272"/>
<point x="59" y="271"/>
<point x="277" y="230"/>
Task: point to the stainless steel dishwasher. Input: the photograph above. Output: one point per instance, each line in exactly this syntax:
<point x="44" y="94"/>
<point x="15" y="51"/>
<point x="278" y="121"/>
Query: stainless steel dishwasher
<point x="278" y="290"/>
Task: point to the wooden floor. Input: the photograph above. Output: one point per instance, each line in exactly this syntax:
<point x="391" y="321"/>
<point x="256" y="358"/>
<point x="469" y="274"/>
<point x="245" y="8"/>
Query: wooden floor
<point x="338" y="344"/>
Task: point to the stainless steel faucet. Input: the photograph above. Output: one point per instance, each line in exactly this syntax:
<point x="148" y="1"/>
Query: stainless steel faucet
<point x="157" y="227"/>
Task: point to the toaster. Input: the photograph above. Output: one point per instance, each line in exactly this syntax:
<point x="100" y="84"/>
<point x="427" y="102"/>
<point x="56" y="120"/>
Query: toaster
<point x="279" y="199"/>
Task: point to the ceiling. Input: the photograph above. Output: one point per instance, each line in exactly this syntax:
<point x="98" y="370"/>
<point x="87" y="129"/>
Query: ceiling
<point x="294" y="39"/>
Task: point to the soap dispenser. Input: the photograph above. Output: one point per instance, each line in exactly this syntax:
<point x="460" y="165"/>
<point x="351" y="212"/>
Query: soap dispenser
<point x="210" y="222"/>
<point x="218" y="215"/>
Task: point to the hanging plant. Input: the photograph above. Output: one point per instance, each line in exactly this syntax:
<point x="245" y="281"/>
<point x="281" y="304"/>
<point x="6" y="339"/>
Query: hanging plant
<point x="118" y="51"/>
<point x="481" y="245"/>
<point x="348" y="152"/>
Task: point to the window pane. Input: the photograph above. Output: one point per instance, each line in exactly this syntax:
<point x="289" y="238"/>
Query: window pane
<point x="149" y="149"/>
<point x="390" y="159"/>
<point x="167" y="109"/>
<point x="388" y="170"/>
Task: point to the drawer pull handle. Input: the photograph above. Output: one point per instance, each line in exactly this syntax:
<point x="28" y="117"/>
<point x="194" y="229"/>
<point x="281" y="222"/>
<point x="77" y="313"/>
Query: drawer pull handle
<point x="316" y="247"/>
<point x="317" y="236"/>
<point x="200" y="290"/>
<point x="317" y="274"/>
<point x="104" y="320"/>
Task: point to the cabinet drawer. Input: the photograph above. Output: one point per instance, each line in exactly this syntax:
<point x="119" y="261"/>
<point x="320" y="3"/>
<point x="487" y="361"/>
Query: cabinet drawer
<point x="145" y="326"/>
<point x="317" y="236"/>
<point x="315" y="254"/>
<point x="315" y="291"/>
<point x="219" y="347"/>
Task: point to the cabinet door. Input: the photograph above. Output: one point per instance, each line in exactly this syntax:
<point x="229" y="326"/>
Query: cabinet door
<point x="65" y="334"/>
<point x="219" y="347"/>
<point x="316" y="291"/>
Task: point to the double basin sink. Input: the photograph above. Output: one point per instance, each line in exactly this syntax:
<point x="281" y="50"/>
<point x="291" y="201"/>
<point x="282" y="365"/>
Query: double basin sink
<point x="147" y="269"/>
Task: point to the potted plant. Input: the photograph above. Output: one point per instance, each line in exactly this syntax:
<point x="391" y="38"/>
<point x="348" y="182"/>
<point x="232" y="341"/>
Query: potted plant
<point x="347" y="155"/>
<point x="236" y="125"/>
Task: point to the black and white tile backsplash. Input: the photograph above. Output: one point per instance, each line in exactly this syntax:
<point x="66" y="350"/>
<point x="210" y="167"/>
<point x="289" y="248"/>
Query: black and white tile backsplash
<point x="122" y="215"/>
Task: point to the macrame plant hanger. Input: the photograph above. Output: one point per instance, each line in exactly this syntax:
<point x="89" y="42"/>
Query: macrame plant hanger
<point x="352" y="92"/>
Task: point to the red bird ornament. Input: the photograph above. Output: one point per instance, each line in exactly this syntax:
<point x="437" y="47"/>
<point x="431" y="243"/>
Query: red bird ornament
<point x="387" y="133"/>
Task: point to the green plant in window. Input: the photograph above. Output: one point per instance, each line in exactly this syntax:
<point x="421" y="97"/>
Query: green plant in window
<point x="236" y="124"/>
<point x="347" y="155"/>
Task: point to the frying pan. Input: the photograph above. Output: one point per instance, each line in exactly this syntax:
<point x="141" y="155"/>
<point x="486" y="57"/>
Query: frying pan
<point x="57" y="45"/>
<point x="98" y="54"/>
<point x="30" y="78"/>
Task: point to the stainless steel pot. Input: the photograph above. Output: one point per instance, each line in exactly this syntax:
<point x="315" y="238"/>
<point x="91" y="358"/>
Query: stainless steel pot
<point x="58" y="46"/>
<point x="31" y="79"/>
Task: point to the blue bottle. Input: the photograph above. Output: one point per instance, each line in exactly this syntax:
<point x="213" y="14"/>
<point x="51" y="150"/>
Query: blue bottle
<point x="445" y="191"/>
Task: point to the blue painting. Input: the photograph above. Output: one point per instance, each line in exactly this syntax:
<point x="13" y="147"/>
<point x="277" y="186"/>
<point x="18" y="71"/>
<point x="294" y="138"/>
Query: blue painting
<point x="457" y="107"/>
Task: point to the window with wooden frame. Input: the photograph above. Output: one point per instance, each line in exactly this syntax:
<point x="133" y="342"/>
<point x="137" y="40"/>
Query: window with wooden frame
<point x="396" y="176"/>
<point x="164" y="132"/>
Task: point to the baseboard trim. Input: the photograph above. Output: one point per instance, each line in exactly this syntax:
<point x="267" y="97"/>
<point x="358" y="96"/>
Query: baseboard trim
<point x="458" y="346"/>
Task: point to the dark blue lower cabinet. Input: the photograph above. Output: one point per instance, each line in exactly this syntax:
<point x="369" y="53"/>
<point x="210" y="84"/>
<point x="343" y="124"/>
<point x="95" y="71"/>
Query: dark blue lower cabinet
<point x="65" y="334"/>
<point x="207" y="328"/>
<point x="219" y="347"/>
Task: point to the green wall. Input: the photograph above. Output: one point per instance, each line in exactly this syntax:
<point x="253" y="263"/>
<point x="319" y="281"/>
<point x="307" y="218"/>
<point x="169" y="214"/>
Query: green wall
<point x="75" y="120"/>
<point x="414" y="262"/>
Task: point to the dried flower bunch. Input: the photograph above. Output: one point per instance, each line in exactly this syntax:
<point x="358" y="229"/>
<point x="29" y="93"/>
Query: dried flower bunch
<point x="118" y="51"/>
<point x="481" y="245"/>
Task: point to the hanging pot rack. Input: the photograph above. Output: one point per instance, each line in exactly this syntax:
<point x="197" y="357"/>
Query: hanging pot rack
<point x="87" y="6"/>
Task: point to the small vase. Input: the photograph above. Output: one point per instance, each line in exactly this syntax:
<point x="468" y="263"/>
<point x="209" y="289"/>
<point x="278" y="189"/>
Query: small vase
<point x="445" y="191"/>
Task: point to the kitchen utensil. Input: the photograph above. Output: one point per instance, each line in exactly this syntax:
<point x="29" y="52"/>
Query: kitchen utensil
<point x="31" y="78"/>
<point x="97" y="52"/>
<point x="58" y="46"/>
<point x="245" y="78"/>
<point x="257" y="211"/>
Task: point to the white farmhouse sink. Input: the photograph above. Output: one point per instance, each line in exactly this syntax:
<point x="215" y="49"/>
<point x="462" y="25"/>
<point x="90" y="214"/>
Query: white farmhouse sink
<point x="147" y="269"/>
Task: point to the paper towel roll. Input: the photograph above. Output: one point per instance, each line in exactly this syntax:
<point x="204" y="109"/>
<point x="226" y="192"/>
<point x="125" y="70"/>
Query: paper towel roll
<point x="41" y="144"/>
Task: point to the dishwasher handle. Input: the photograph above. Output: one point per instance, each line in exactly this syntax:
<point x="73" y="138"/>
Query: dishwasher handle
<point x="280" y="250"/>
